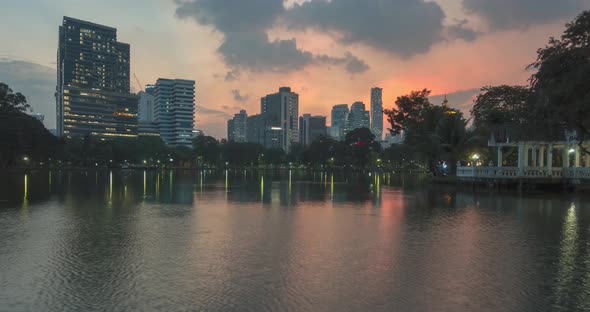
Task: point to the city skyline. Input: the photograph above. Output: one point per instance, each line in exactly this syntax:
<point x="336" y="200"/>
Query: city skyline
<point x="462" y="50"/>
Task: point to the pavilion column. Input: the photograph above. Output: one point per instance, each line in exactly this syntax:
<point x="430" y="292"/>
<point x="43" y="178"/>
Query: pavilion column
<point x="542" y="156"/>
<point x="534" y="155"/>
<point x="566" y="157"/>
<point x="500" y="157"/>
<point x="587" y="158"/>
<point x="526" y="156"/>
<point x="521" y="158"/>
<point x="577" y="156"/>
<point x="550" y="159"/>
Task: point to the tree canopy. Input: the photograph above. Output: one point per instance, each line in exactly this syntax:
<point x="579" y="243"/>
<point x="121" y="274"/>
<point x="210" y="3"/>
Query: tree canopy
<point x="497" y="105"/>
<point x="407" y="110"/>
<point x="562" y="78"/>
<point x="11" y="102"/>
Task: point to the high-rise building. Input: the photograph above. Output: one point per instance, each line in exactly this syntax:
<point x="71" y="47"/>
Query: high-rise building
<point x="260" y="130"/>
<point x="333" y="132"/>
<point x="231" y="134"/>
<point x="281" y="113"/>
<point x="237" y="127"/>
<point x="174" y="110"/>
<point x="339" y="120"/>
<point x="311" y="128"/>
<point x="377" y="112"/>
<point x="147" y="125"/>
<point x="358" y="117"/>
<point x="145" y="109"/>
<point x="93" y="82"/>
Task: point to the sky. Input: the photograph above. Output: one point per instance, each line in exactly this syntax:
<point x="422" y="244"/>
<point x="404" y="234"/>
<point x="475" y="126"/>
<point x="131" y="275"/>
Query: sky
<point x="330" y="52"/>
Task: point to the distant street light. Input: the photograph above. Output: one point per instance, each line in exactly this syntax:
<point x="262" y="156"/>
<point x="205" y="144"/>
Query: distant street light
<point x="571" y="151"/>
<point x="145" y="161"/>
<point x="25" y="158"/>
<point x="475" y="156"/>
<point x="171" y="160"/>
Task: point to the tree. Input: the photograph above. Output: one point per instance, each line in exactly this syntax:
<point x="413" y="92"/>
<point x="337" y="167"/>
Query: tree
<point x="295" y="154"/>
<point x="407" y="111"/>
<point x="23" y="135"/>
<point x="274" y="156"/>
<point x="242" y="154"/>
<point x="361" y="142"/>
<point x="11" y="102"/>
<point x="498" y="105"/>
<point x="562" y="78"/>
<point x="207" y="149"/>
<point x="454" y="139"/>
<point x="319" y="151"/>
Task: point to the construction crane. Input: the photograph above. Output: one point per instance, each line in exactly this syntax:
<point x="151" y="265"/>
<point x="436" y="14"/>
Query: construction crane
<point x="138" y="83"/>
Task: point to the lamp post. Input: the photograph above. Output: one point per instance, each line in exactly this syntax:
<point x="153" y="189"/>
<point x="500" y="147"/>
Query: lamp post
<point x="475" y="158"/>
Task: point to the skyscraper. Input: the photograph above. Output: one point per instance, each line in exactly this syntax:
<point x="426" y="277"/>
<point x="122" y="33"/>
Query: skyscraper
<point x="231" y="136"/>
<point x="358" y="117"/>
<point x="311" y="128"/>
<point x="145" y="113"/>
<point x="93" y="82"/>
<point x="377" y="112"/>
<point x="237" y="127"/>
<point x="281" y="111"/>
<point x="339" y="120"/>
<point x="174" y="110"/>
<point x="145" y="109"/>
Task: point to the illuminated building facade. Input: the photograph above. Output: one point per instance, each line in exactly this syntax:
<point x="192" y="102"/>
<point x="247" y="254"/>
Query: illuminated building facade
<point x="92" y="93"/>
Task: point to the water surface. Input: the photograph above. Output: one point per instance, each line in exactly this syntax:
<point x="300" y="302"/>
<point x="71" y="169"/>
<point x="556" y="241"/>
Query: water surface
<point x="290" y="241"/>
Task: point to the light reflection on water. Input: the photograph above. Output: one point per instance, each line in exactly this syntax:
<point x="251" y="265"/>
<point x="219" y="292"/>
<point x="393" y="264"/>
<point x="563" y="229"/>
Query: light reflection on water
<point x="241" y="240"/>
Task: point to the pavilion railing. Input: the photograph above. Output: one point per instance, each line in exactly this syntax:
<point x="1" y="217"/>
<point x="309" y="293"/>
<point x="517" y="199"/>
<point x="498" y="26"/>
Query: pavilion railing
<point x="527" y="172"/>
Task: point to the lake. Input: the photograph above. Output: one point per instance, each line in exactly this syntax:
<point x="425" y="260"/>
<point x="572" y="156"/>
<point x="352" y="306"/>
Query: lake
<point x="286" y="241"/>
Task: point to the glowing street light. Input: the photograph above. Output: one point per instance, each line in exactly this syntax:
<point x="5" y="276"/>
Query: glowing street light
<point x="571" y="151"/>
<point x="25" y="158"/>
<point x="475" y="156"/>
<point x="171" y="159"/>
<point x="145" y="161"/>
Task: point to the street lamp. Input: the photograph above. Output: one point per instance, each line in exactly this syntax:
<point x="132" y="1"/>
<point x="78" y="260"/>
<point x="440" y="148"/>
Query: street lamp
<point x="145" y="161"/>
<point x="475" y="156"/>
<point x="25" y="158"/>
<point x="571" y="151"/>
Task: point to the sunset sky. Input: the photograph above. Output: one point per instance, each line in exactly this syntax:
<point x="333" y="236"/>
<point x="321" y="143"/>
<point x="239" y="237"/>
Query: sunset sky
<point x="330" y="52"/>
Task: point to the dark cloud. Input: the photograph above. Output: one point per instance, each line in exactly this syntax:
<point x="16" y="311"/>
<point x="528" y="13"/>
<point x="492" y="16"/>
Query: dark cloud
<point x="460" y="31"/>
<point x="239" y="97"/>
<point x="202" y="110"/>
<point x="232" y="15"/>
<point x="404" y="28"/>
<point x="254" y="51"/>
<point x="246" y="44"/>
<point x="35" y="81"/>
<point x="509" y="14"/>
<point x="351" y="63"/>
<point x="232" y="75"/>
<point x="227" y="107"/>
